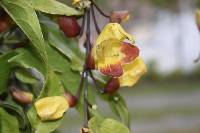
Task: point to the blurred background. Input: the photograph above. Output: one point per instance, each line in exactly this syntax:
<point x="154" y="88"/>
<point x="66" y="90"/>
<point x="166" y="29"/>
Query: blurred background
<point x="167" y="99"/>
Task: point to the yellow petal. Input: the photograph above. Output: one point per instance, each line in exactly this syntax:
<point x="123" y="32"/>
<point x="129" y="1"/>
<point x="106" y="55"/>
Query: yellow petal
<point x="132" y="72"/>
<point x="113" y="31"/>
<point x="107" y="57"/>
<point x="51" y="108"/>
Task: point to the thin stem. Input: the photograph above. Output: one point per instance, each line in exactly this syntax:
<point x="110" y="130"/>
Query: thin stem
<point x="100" y="11"/>
<point x="82" y="26"/>
<point x="78" y="94"/>
<point x="94" y="19"/>
<point x="86" y="112"/>
<point x="85" y="100"/>
<point x="95" y="83"/>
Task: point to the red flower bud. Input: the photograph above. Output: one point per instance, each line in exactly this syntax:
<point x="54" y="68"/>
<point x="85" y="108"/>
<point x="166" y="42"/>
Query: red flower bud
<point x="72" y="100"/>
<point x="112" y="85"/>
<point x="90" y="62"/>
<point x="3" y="26"/>
<point x="20" y="96"/>
<point x="5" y="21"/>
<point x="69" y="26"/>
<point x="119" y="16"/>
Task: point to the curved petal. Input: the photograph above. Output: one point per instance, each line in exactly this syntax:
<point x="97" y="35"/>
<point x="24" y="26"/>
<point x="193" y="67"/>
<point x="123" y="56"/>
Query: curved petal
<point x="107" y="57"/>
<point x="51" y="108"/>
<point x="132" y="72"/>
<point x="113" y="31"/>
<point x="130" y="52"/>
<point x="114" y="70"/>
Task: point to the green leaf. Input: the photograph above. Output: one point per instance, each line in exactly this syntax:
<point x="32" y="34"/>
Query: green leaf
<point x="28" y="60"/>
<point x="8" y="123"/>
<point x="25" y="76"/>
<point x="118" y="106"/>
<point x="100" y="125"/>
<point x="5" y="69"/>
<point x="67" y="76"/>
<point x="110" y="125"/>
<point x="68" y="47"/>
<point x="18" y="112"/>
<point x="25" y="17"/>
<point x="54" y="7"/>
<point x="53" y="87"/>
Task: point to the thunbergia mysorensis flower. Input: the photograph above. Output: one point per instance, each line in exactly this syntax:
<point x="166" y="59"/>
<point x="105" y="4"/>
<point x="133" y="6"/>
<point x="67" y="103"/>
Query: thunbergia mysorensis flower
<point x="108" y="51"/>
<point x="51" y="108"/>
<point x="118" y="59"/>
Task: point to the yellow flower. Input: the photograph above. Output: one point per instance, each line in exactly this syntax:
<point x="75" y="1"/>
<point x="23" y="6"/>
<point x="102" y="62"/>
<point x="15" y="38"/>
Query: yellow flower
<point x="107" y="52"/>
<point x="51" y="108"/>
<point x="111" y="54"/>
<point x="116" y="58"/>
<point x="132" y="72"/>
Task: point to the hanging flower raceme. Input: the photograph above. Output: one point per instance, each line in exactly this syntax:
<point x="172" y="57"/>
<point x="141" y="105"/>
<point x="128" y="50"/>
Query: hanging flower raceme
<point x="51" y="108"/>
<point x="115" y="58"/>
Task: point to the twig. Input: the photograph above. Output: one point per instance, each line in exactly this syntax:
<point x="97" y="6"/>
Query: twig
<point x="94" y="19"/>
<point x="86" y="112"/>
<point x="100" y="11"/>
<point x="95" y="83"/>
<point x="82" y="26"/>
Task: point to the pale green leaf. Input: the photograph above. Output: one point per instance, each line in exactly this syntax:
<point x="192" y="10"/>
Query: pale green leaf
<point x="54" y="7"/>
<point x="25" y="76"/>
<point x="118" y="106"/>
<point x="110" y="125"/>
<point x="100" y="125"/>
<point x="68" y="47"/>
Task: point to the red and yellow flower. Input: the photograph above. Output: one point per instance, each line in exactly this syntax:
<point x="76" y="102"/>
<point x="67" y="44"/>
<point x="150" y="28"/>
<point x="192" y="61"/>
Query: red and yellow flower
<point x="118" y="59"/>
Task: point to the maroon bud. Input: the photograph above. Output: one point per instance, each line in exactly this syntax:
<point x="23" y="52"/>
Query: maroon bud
<point x="90" y="62"/>
<point x="72" y="100"/>
<point x="112" y="85"/>
<point x="20" y="96"/>
<point x="119" y="16"/>
<point x="5" y="21"/>
<point x="69" y="26"/>
<point x="3" y="26"/>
